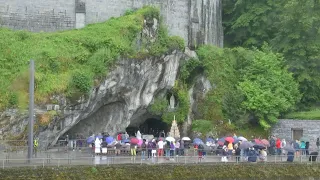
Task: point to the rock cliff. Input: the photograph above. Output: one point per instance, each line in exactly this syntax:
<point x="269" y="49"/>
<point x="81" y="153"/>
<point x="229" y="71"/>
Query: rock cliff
<point x="121" y="99"/>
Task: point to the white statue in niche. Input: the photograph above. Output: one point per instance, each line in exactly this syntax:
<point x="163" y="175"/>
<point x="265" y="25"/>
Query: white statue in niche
<point x="138" y="135"/>
<point x="172" y="102"/>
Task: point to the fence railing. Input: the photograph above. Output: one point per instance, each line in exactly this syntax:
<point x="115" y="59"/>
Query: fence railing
<point x="139" y="160"/>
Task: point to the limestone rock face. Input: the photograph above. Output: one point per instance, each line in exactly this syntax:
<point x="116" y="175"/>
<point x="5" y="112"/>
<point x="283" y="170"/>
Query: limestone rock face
<point x="205" y="26"/>
<point x="121" y="99"/>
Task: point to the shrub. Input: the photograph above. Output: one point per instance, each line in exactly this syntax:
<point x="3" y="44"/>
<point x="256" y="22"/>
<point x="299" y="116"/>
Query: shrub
<point x="81" y="81"/>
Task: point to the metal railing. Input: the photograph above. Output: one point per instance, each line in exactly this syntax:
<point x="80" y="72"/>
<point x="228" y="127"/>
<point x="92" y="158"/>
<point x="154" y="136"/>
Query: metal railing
<point x="71" y="160"/>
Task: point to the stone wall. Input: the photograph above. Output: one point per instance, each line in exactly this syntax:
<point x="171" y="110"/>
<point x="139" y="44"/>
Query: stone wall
<point x="197" y="21"/>
<point x="311" y="129"/>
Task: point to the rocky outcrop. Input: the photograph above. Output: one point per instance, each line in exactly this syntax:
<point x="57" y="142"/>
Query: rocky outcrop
<point x="121" y="99"/>
<point x="205" y="23"/>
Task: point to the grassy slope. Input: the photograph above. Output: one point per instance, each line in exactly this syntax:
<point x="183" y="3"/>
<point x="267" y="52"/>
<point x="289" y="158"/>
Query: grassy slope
<point x="60" y="55"/>
<point x="69" y="61"/>
<point x="313" y="114"/>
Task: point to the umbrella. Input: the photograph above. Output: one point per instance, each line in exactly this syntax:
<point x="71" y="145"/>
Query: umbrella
<point x="170" y="139"/>
<point x="220" y="143"/>
<point x="126" y="141"/>
<point x="197" y="141"/>
<point x="90" y="139"/>
<point x="229" y="139"/>
<point x="140" y="142"/>
<point x="134" y="140"/>
<point x="99" y="136"/>
<point x="259" y="146"/>
<point x="246" y="144"/>
<point x="210" y="140"/>
<point x="289" y="148"/>
<point x="257" y="141"/>
<point x="236" y="141"/>
<point x="242" y="139"/>
<point x="186" y="139"/>
<point x="221" y="140"/>
<point x="265" y="142"/>
<point x="304" y="139"/>
<point x="109" y="139"/>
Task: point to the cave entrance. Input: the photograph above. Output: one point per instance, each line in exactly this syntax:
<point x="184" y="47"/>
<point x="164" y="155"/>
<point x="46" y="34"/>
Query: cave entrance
<point x="151" y="126"/>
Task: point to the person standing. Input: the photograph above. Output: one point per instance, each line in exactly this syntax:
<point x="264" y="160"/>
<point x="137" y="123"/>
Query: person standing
<point x="149" y="146"/>
<point x="118" y="148"/>
<point x="133" y="151"/>
<point x="278" y="146"/>
<point x="35" y="147"/>
<point x="160" y="146"/>
<point x="172" y="149"/>
<point x="303" y="148"/>
<point x="318" y="143"/>
<point x="97" y="146"/>
<point x="177" y="146"/>
<point x="296" y="147"/>
<point x="307" y="148"/>
<point x="143" y="149"/>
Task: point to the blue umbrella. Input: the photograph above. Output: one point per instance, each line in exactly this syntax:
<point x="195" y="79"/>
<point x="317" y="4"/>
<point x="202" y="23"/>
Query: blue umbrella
<point x="126" y="140"/>
<point x="99" y="136"/>
<point x="222" y="140"/>
<point x="197" y="141"/>
<point x="109" y="139"/>
<point x="90" y="139"/>
<point x="210" y="140"/>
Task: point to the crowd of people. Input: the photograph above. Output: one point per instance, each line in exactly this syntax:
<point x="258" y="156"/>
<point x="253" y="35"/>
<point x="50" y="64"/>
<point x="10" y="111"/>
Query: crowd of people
<point x="228" y="148"/>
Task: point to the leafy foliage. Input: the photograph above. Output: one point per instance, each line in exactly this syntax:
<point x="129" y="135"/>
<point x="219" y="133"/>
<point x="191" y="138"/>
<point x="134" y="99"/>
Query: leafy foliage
<point x="291" y="27"/>
<point x="202" y="126"/>
<point x="159" y="106"/>
<point x="247" y="83"/>
<point x="268" y="88"/>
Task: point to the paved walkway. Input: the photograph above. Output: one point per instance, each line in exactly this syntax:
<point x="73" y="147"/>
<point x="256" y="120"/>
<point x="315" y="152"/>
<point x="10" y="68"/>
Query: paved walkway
<point x="85" y="158"/>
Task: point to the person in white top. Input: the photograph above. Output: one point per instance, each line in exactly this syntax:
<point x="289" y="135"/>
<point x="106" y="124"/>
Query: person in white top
<point x="160" y="146"/>
<point x="97" y="146"/>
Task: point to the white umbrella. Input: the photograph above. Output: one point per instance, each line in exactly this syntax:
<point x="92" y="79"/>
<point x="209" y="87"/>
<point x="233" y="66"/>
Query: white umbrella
<point x="242" y="139"/>
<point x="170" y="139"/>
<point x="186" y="139"/>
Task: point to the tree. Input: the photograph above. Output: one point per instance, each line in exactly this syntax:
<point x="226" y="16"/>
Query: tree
<point x="268" y="87"/>
<point x="298" y="38"/>
<point x="291" y="27"/>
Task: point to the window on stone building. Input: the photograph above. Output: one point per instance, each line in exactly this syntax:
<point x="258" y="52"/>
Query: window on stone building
<point x="296" y="133"/>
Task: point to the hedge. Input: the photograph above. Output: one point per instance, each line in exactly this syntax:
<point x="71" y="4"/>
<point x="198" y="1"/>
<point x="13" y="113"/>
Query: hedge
<point x="168" y="172"/>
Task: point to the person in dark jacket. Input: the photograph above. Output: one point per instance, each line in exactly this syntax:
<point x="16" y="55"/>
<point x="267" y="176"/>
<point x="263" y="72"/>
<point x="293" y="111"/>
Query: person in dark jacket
<point x="307" y="148"/>
<point x="252" y="155"/>
<point x="149" y="147"/>
<point x="237" y="152"/>
<point x="290" y="155"/>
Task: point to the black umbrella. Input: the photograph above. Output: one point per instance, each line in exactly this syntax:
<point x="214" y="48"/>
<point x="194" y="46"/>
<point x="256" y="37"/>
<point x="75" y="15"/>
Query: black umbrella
<point x="259" y="146"/>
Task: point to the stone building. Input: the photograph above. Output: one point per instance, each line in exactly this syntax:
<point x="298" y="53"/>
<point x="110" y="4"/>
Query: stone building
<point x="292" y="129"/>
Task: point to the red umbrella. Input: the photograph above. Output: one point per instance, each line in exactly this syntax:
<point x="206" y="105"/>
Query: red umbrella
<point x="134" y="140"/>
<point x="229" y="139"/>
<point x="265" y="142"/>
<point x="220" y="143"/>
<point x="258" y="141"/>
